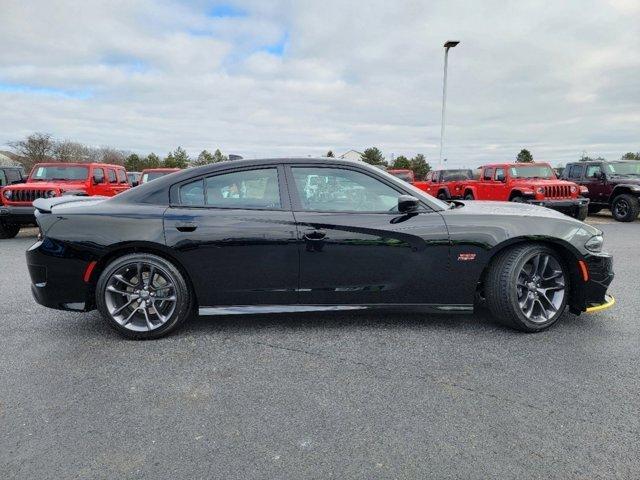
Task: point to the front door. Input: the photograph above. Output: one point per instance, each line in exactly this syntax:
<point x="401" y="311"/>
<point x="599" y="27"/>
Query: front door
<point x="235" y="234"/>
<point x="596" y="182"/>
<point x="355" y="248"/>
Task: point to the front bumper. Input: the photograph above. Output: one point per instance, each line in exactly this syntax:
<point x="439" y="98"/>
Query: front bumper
<point x="572" y="206"/>
<point x="57" y="277"/>
<point x="19" y="215"/>
<point x="593" y="296"/>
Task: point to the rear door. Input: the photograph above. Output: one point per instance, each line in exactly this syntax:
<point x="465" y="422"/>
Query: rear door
<point x="355" y="248"/>
<point x="235" y="233"/>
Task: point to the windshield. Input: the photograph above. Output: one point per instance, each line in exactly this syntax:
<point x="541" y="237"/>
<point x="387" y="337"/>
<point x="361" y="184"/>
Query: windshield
<point x="623" y="168"/>
<point x="59" y="172"/>
<point x="531" y="171"/>
<point x="453" y="175"/>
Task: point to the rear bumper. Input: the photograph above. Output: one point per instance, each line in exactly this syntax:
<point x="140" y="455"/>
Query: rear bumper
<point x="570" y="207"/>
<point x="20" y="215"/>
<point x="57" y="278"/>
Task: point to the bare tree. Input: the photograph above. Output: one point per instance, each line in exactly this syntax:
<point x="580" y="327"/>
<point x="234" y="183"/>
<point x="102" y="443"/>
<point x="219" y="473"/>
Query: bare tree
<point x="37" y="147"/>
<point x="68" y="151"/>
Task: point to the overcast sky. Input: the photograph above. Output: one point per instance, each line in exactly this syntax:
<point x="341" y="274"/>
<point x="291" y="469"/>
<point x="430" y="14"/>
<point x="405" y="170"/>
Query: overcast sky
<point x="299" y="77"/>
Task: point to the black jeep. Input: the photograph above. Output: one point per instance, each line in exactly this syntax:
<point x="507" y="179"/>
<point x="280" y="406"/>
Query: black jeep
<point x="613" y="185"/>
<point x="9" y="176"/>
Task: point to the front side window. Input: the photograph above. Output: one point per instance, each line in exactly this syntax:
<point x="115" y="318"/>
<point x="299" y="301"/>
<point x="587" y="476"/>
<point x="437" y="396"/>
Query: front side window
<point x="98" y="175"/>
<point x="14" y="176"/>
<point x="499" y="174"/>
<point x="243" y="190"/>
<point x="593" y="171"/>
<point x="3" y="179"/>
<point x="488" y="174"/>
<point x="122" y="176"/>
<point x="343" y="190"/>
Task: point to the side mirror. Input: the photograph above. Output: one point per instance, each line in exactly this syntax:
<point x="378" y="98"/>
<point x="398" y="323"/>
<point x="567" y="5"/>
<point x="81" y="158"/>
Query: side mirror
<point x="598" y="175"/>
<point x="407" y="204"/>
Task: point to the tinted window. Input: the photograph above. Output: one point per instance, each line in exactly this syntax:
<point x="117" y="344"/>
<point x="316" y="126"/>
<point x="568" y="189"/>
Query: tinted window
<point x="3" y="179"/>
<point x="112" y="176"/>
<point x="339" y="190"/>
<point x="14" y="175"/>
<point x="488" y="174"/>
<point x="245" y="189"/>
<point x="575" y="171"/>
<point x="499" y="174"/>
<point x="192" y="193"/>
<point x="593" y="171"/>
<point x="98" y="175"/>
<point x="122" y="176"/>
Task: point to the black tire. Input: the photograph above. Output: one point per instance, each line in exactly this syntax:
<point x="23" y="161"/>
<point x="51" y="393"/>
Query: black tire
<point x="469" y="196"/>
<point x="593" y="209"/>
<point x="517" y="199"/>
<point x="8" y="230"/>
<point x="502" y="290"/>
<point x="182" y="293"/>
<point x="443" y="196"/>
<point x="625" y="208"/>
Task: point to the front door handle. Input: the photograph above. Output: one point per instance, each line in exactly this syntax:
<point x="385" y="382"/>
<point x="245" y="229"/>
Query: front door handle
<point x="186" y="226"/>
<point x="314" y="236"/>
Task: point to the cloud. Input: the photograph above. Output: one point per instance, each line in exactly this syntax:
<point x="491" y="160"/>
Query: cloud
<point x="298" y="78"/>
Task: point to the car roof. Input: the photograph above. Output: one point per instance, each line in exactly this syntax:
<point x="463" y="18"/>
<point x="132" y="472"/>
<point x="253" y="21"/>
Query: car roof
<point x="77" y="164"/>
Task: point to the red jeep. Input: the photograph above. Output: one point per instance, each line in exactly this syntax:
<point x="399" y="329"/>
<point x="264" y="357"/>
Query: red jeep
<point x="534" y="183"/>
<point x="445" y="184"/>
<point x="52" y="180"/>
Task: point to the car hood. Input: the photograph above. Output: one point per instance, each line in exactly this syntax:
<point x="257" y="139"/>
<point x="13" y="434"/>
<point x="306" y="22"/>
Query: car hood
<point x="623" y="179"/>
<point x="543" y="183"/>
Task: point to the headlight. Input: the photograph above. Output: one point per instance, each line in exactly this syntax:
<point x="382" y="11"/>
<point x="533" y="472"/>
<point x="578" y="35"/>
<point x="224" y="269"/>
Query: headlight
<point x="50" y="194"/>
<point x="574" y="189"/>
<point x="540" y="190"/>
<point x="594" y="244"/>
<point x="7" y="194"/>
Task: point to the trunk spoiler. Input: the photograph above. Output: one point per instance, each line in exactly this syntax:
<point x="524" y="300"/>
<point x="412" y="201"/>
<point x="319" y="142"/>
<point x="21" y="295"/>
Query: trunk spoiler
<point x="44" y="205"/>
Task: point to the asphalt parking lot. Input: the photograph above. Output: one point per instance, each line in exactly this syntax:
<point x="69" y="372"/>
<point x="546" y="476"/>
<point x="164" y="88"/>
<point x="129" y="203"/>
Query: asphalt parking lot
<point x="358" y="395"/>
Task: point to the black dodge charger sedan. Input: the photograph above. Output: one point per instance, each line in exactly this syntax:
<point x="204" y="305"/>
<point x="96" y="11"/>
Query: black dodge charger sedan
<point x="300" y="234"/>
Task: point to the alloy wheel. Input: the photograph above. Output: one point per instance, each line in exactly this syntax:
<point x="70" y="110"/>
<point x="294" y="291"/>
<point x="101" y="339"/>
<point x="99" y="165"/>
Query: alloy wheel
<point x="622" y="208"/>
<point x="541" y="288"/>
<point x="141" y="296"/>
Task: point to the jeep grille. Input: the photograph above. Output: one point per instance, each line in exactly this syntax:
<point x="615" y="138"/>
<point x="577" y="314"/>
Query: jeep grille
<point x="557" y="191"/>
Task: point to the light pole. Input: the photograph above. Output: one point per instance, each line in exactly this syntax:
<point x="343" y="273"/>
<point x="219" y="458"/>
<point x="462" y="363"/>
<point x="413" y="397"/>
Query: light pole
<point x="447" y="45"/>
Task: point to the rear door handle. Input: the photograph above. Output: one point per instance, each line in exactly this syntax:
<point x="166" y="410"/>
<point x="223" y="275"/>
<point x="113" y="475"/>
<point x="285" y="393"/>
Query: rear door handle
<point x="314" y="236"/>
<point x="186" y="226"/>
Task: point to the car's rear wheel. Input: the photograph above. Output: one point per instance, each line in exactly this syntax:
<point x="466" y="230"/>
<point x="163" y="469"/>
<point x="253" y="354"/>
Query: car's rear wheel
<point x="527" y="287"/>
<point x="625" y="208"/>
<point x="143" y="296"/>
<point x="8" y="230"/>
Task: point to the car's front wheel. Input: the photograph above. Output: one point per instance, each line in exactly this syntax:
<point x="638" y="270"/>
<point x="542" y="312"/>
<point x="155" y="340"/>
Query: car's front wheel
<point x="143" y="296"/>
<point x="527" y="287"/>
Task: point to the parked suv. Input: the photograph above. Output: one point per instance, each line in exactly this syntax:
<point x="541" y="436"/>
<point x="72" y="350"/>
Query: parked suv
<point x="52" y="180"/>
<point x="534" y="183"/>
<point x="445" y="184"/>
<point x="403" y="174"/>
<point x="612" y="185"/>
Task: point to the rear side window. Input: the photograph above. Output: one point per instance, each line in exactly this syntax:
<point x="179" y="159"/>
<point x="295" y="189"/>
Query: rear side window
<point x="575" y="171"/>
<point x="242" y="190"/>
<point x="112" y="176"/>
<point x="122" y="176"/>
<point x="3" y="179"/>
<point x="98" y="175"/>
<point x="14" y="176"/>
